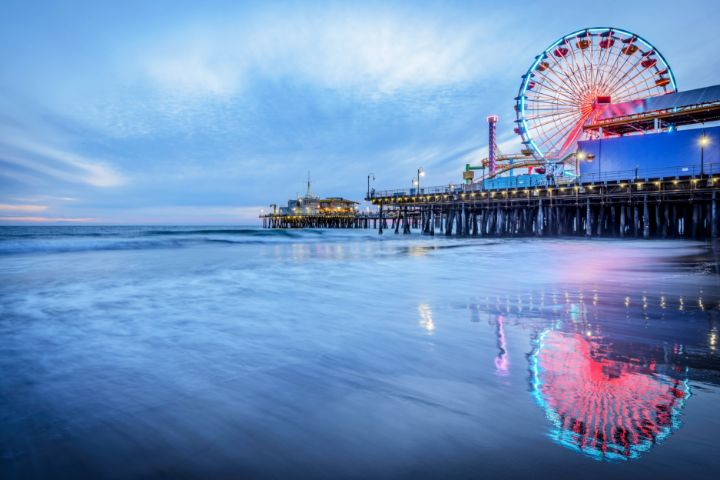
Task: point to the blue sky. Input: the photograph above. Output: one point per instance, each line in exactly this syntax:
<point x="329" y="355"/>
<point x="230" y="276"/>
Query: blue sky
<point x="204" y="112"/>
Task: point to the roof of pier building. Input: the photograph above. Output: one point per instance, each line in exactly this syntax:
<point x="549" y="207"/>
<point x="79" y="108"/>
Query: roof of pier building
<point x="691" y="107"/>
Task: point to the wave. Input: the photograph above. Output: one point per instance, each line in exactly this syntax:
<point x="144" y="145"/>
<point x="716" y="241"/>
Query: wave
<point x="128" y="238"/>
<point x="252" y="232"/>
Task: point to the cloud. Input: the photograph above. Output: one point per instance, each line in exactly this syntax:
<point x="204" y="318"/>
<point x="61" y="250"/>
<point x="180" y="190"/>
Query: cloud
<point x="45" y="220"/>
<point x="22" y="208"/>
<point x="189" y="214"/>
<point x="58" y="163"/>
<point x="348" y="49"/>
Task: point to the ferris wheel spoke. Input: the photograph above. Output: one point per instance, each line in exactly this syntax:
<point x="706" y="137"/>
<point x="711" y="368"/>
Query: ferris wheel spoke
<point x="552" y="75"/>
<point x="552" y="115"/>
<point x="591" y="63"/>
<point x="572" y="111"/>
<point x="548" y="144"/>
<point x="626" y="77"/>
<point x="559" y="92"/>
<point x="619" y="72"/>
<point x="554" y="120"/>
<point x="605" y="55"/>
<point x="571" y="136"/>
<point x="576" y="64"/>
<point x="564" y="100"/>
<point x="573" y="132"/>
<point x="551" y="110"/>
<point x="561" y="101"/>
<point x="635" y="89"/>
<point x="549" y="106"/>
<point x="615" y="68"/>
<point x="568" y="80"/>
<point x="603" y="71"/>
<point x="627" y="80"/>
<point x="637" y="93"/>
<point x="550" y="100"/>
<point x="558" y="131"/>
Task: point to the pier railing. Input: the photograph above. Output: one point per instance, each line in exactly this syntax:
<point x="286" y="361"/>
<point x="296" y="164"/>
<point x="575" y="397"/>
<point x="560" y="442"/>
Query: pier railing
<point x="520" y="181"/>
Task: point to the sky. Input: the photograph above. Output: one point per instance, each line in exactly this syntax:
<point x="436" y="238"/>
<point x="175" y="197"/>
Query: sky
<point x="173" y="112"/>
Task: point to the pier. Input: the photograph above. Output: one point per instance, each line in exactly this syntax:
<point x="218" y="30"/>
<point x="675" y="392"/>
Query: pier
<point x="649" y="205"/>
<point x="572" y="176"/>
<point x="320" y="220"/>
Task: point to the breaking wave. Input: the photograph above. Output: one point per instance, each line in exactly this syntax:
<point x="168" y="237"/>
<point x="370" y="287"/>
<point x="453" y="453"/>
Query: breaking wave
<point x="25" y="240"/>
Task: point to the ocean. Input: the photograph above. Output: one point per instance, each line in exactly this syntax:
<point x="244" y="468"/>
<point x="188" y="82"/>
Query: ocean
<point x="237" y="352"/>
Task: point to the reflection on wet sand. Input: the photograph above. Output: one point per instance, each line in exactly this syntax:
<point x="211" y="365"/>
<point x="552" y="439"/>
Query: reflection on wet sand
<point x="502" y="361"/>
<point x="605" y="408"/>
<point x="426" y="320"/>
<point x="611" y="385"/>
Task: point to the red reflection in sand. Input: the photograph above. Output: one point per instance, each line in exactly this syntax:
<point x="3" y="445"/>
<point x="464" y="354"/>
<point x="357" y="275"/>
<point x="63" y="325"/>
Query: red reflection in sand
<point x="502" y="362"/>
<point x="605" y="408"/>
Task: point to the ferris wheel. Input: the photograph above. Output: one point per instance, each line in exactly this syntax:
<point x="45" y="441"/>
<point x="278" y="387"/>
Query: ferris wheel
<point x="571" y="82"/>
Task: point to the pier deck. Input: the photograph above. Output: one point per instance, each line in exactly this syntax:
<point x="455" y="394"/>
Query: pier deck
<point x="645" y="204"/>
<point x="357" y="220"/>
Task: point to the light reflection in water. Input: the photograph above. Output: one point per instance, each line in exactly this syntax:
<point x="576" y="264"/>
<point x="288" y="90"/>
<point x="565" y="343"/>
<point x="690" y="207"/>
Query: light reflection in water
<point x="611" y="389"/>
<point x="502" y="362"/>
<point x="426" y="320"/>
<point x="607" y="409"/>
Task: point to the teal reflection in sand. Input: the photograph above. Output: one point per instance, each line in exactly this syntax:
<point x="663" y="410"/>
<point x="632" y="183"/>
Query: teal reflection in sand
<point x="600" y="405"/>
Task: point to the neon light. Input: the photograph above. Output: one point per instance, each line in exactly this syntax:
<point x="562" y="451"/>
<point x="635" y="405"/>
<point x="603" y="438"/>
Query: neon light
<point x="521" y="106"/>
<point x="603" y="408"/>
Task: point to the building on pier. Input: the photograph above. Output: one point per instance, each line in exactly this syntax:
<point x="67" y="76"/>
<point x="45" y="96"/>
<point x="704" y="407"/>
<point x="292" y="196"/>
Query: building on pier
<point x="310" y="211"/>
<point x="309" y="204"/>
<point x="319" y="206"/>
<point x="669" y="135"/>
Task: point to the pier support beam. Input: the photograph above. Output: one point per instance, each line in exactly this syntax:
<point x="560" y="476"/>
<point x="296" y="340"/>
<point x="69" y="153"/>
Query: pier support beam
<point x="588" y="220"/>
<point x="540" y="220"/>
<point x="646" y="219"/>
<point x="713" y="217"/>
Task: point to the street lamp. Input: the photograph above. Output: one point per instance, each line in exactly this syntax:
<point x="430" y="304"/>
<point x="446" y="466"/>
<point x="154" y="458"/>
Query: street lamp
<point x="704" y="141"/>
<point x="420" y="173"/>
<point x="579" y="157"/>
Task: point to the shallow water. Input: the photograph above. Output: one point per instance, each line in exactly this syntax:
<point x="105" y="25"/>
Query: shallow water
<point x="203" y="352"/>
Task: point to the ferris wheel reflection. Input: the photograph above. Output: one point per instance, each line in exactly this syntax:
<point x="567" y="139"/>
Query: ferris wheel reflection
<point x="599" y="405"/>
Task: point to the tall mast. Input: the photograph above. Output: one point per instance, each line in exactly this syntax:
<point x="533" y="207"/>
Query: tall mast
<point x="308" y="194"/>
<point x="492" y="144"/>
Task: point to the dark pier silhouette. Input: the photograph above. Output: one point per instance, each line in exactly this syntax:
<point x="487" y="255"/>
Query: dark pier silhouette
<point x="640" y="206"/>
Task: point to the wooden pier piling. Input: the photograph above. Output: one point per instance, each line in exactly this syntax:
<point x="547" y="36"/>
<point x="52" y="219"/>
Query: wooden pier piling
<point x="674" y="207"/>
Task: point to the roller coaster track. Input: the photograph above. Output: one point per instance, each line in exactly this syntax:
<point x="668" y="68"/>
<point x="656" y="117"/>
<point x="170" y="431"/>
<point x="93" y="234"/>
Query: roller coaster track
<point x="512" y="161"/>
<point x="508" y="162"/>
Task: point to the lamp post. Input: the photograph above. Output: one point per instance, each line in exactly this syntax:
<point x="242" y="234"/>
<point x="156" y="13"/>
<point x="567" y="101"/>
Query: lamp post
<point x="704" y="141"/>
<point x="371" y="175"/>
<point x="579" y="157"/>
<point x="420" y="173"/>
